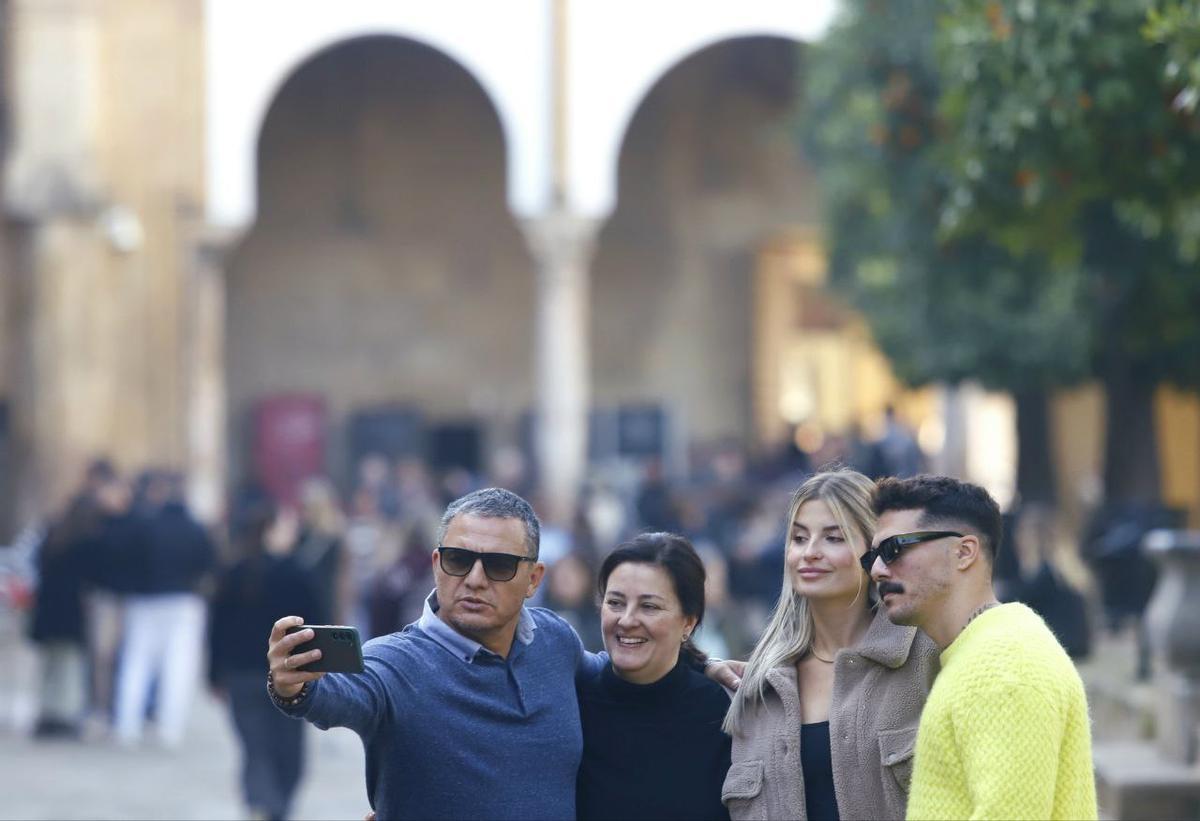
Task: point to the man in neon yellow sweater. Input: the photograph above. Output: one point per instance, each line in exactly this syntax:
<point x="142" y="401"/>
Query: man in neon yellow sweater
<point x="1005" y="731"/>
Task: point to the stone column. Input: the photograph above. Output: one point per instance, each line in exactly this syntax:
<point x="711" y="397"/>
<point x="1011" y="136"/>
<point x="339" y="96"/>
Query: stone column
<point x="206" y="400"/>
<point x="25" y="482"/>
<point x="562" y="244"/>
<point x="1162" y="779"/>
<point x="1173" y="624"/>
<point x="52" y="192"/>
<point x="953" y="458"/>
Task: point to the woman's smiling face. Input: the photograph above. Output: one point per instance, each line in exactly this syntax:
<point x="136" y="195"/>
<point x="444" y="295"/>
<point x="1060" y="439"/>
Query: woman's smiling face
<point x="822" y="560"/>
<point x="643" y="622"/>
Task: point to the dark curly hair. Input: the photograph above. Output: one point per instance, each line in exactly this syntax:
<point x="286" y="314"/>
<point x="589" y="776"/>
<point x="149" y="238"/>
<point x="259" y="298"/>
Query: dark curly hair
<point x="944" y="502"/>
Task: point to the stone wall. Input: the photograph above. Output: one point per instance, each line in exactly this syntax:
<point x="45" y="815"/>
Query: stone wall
<point x="384" y="265"/>
<point x="709" y="174"/>
<point x="103" y="175"/>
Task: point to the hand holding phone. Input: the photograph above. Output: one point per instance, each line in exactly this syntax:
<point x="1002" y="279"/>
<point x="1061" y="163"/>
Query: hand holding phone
<point x="286" y="681"/>
<point x="340" y="646"/>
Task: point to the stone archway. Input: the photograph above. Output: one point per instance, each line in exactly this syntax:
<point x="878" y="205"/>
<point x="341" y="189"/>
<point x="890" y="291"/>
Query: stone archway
<point x="708" y="171"/>
<point x="565" y="104"/>
<point x="384" y="266"/>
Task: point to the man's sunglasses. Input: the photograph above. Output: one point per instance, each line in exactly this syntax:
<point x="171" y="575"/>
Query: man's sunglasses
<point x="890" y="548"/>
<point x="499" y="567"/>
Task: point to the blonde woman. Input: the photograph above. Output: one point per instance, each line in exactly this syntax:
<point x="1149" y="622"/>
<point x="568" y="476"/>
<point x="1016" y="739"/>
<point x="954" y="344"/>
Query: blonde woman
<point x="321" y="549"/>
<point x="825" y="720"/>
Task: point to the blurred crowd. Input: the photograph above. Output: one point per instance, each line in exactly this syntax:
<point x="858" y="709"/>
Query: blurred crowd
<point x="119" y="591"/>
<point x="116" y="605"/>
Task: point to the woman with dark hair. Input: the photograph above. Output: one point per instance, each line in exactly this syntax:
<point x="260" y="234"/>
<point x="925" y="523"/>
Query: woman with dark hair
<point x="65" y="563"/>
<point x="266" y="584"/>
<point x="652" y="740"/>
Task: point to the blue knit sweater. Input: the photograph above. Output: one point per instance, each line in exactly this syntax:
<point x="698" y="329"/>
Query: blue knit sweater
<point x="452" y="730"/>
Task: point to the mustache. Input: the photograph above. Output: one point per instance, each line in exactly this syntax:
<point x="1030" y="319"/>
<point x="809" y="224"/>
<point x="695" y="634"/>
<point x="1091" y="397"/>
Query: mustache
<point x="890" y="587"/>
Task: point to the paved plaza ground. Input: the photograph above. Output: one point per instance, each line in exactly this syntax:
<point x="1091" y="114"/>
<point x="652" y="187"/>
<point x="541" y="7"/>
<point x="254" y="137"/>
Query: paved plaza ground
<point x="96" y="779"/>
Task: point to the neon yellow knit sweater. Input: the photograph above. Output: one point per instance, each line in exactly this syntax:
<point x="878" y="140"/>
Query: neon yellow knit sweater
<point x="1005" y="732"/>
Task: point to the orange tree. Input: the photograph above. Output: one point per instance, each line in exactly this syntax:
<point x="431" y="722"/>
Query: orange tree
<point x="943" y="307"/>
<point x="1176" y="24"/>
<point x="1068" y="136"/>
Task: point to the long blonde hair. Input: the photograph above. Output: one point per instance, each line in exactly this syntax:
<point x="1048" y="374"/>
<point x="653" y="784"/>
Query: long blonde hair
<point x="319" y="507"/>
<point x="789" y="632"/>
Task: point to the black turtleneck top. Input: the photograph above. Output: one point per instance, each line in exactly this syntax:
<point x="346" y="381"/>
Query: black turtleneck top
<point x="652" y="750"/>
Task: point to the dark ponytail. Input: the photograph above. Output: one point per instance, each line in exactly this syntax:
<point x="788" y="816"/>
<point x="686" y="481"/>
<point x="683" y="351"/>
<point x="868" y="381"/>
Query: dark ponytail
<point x="679" y="559"/>
<point x="250" y="541"/>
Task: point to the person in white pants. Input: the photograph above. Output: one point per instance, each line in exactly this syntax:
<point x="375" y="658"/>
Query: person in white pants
<point x="165" y="616"/>
<point x="164" y="640"/>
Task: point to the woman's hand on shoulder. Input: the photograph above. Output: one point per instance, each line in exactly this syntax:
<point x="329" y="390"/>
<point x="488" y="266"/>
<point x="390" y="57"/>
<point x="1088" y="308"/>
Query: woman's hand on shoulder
<point x="727" y="673"/>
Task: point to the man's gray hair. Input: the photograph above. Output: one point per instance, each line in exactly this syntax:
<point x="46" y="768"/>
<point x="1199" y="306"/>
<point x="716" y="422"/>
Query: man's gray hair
<point x="496" y="503"/>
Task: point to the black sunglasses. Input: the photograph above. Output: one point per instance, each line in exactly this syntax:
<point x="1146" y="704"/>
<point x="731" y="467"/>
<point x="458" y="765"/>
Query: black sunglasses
<point x="890" y="548"/>
<point x="499" y="567"/>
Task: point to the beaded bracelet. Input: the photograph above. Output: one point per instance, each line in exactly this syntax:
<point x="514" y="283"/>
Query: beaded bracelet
<point x="286" y="702"/>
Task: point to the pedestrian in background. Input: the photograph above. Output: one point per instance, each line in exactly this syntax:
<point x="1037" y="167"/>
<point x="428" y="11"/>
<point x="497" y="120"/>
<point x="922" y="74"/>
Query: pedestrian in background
<point x="725" y="632"/>
<point x="898" y="451"/>
<point x="1051" y="579"/>
<point x="570" y="593"/>
<point x="117" y="573"/>
<point x="165" y="618"/>
<point x="264" y="584"/>
<point x="397" y="593"/>
<point x="65" y="563"/>
<point x="321" y="548"/>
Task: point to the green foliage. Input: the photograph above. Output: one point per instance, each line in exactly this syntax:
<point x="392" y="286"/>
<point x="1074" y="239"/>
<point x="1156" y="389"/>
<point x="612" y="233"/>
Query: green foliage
<point x="941" y="307"/>
<point x="1177" y="26"/>
<point x="1064" y="143"/>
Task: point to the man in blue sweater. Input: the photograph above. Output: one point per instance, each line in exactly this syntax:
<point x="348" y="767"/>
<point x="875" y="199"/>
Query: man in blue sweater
<point x="470" y="712"/>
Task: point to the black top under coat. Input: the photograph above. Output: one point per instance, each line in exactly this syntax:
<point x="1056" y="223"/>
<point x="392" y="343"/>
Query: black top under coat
<point x="652" y="750"/>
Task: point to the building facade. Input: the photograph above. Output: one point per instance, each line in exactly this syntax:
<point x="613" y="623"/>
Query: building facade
<point x="487" y="222"/>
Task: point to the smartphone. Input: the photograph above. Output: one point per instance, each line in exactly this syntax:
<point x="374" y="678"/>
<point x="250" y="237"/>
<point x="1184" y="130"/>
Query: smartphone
<point x="340" y="646"/>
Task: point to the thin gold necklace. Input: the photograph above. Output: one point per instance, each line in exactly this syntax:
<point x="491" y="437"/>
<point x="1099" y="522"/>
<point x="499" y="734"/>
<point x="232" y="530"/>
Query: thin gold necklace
<point x="812" y="651"/>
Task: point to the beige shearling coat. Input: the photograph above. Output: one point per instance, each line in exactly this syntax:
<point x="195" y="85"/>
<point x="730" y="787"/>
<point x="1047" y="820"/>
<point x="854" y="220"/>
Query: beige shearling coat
<point x="879" y="688"/>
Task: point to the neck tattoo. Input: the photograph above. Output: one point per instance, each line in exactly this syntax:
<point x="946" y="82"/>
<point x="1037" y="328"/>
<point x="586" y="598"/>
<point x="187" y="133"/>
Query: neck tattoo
<point x="979" y="611"/>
